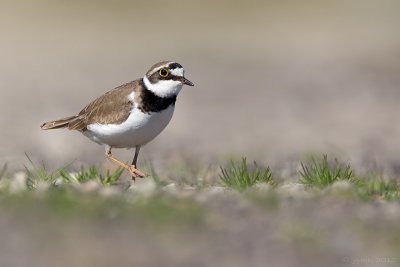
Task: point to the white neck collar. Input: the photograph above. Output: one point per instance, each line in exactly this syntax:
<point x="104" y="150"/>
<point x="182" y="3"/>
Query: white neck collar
<point x="163" y="88"/>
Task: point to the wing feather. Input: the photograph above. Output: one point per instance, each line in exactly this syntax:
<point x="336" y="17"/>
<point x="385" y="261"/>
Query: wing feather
<point x="113" y="107"/>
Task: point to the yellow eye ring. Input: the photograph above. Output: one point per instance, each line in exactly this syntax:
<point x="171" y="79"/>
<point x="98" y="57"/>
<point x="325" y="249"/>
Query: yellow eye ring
<point x="163" y="72"/>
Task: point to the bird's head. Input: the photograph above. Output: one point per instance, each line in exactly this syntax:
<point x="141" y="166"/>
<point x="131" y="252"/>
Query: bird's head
<point x="165" y="79"/>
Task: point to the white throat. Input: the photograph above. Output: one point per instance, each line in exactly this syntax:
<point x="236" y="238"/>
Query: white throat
<point x="163" y="88"/>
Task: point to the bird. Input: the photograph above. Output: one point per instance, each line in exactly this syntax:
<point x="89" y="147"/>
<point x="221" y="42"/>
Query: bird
<point x="130" y="115"/>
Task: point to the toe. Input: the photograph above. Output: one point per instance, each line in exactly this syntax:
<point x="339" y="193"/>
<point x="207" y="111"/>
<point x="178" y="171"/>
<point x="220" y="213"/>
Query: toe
<point x="135" y="172"/>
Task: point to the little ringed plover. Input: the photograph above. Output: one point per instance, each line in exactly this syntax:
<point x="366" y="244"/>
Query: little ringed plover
<point x="130" y="115"/>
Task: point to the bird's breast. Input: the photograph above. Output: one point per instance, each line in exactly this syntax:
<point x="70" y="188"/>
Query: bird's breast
<point x="139" y="128"/>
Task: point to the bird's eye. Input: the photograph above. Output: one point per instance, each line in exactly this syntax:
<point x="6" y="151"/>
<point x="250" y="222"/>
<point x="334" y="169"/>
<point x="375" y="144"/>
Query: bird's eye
<point x="164" y="72"/>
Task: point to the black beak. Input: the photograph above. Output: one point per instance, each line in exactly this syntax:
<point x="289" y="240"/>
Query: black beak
<point x="187" y="82"/>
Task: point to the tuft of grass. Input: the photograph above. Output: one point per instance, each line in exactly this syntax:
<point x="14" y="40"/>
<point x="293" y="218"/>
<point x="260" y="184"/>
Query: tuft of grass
<point x="92" y="173"/>
<point x="379" y="188"/>
<point x="240" y="177"/>
<point x="321" y="173"/>
<point x="38" y="175"/>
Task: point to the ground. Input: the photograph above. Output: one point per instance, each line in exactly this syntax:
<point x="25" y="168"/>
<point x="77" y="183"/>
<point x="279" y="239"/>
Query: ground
<point x="240" y="215"/>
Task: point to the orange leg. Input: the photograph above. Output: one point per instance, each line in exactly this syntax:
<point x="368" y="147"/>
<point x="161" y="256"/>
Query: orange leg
<point x="132" y="168"/>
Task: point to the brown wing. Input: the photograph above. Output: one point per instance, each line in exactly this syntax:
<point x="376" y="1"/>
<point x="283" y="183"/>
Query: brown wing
<point x="113" y="107"/>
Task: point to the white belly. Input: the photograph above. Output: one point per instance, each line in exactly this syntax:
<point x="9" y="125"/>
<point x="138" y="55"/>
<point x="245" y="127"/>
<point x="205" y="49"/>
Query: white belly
<point x="138" y="129"/>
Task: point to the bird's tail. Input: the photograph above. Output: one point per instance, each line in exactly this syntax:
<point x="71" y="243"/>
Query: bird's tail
<point x="57" y="124"/>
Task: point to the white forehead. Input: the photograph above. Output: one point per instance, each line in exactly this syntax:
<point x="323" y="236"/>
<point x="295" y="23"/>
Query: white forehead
<point x="176" y="71"/>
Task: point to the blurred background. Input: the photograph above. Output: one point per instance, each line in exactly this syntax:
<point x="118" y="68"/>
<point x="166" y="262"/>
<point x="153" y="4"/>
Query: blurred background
<point x="274" y="79"/>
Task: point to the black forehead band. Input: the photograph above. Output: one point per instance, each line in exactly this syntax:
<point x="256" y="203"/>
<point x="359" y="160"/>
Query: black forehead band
<point x="175" y="66"/>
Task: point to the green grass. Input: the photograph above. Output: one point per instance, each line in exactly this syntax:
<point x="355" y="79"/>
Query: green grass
<point x="320" y="173"/>
<point x="239" y="176"/>
<point x="92" y="173"/>
<point x="38" y="175"/>
<point x="379" y="188"/>
<point x="68" y="208"/>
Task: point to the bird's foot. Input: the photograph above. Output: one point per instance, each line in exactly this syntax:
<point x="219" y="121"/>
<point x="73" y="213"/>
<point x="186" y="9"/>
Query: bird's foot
<point x="135" y="172"/>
